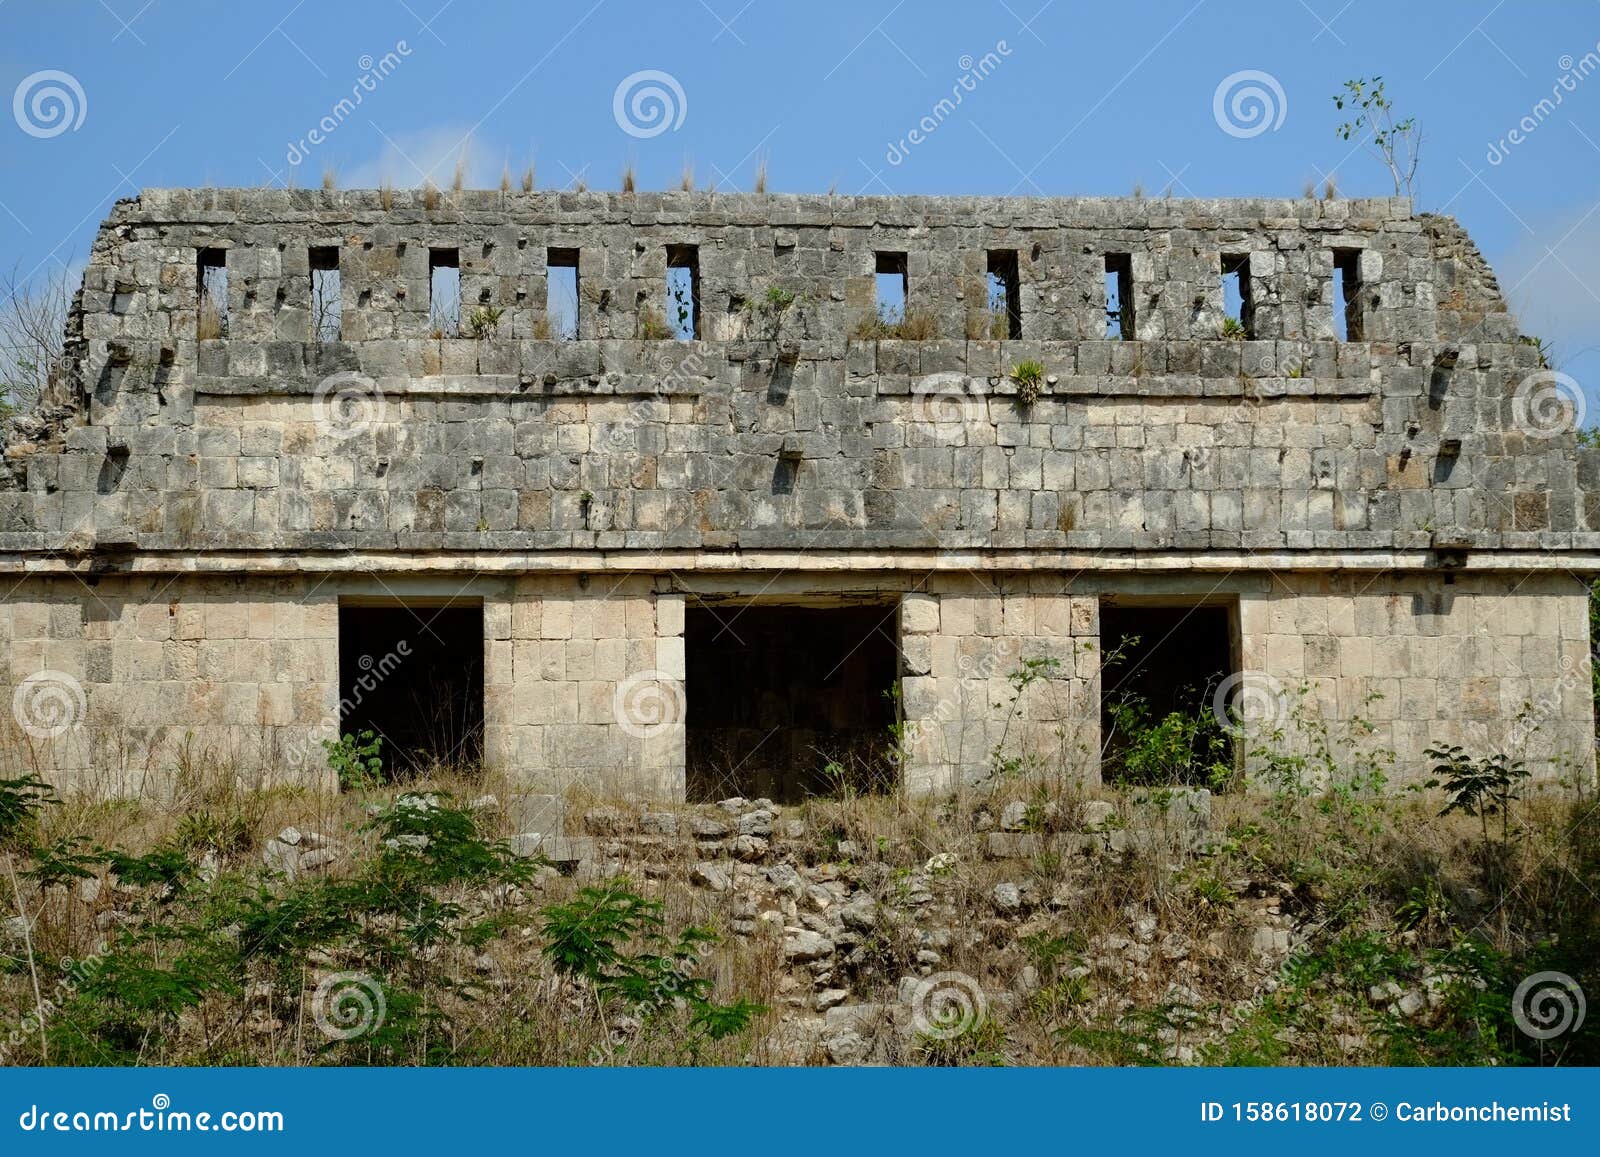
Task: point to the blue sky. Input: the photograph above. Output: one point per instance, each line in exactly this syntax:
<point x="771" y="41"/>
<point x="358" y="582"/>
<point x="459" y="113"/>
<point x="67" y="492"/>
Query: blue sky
<point x="1074" y="98"/>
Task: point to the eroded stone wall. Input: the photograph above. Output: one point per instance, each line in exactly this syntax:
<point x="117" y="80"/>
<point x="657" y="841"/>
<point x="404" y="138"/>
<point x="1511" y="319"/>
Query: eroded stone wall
<point x="1492" y="663"/>
<point x="584" y="679"/>
<point x="1393" y="514"/>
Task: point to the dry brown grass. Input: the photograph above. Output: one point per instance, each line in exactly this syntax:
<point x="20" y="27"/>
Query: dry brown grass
<point x="916" y="325"/>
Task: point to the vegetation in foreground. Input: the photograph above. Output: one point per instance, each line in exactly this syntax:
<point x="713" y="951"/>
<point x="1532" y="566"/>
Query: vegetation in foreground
<point x="1347" y="925"/>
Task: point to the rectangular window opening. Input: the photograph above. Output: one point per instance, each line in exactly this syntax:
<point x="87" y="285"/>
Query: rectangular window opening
<point x="444" y="292"/>
<point x="1005" y="295"/>
<point x="561" y="293"/>
<point x="212" y="283"/>
<point x="1158" y="663"/>
<point x="1119" y="296"/>
<point x="683" y="291"/>
<point x="412" y="674"/>
<point x="779" y="695"/>
<point x="327" y="293"/>
<point x="893" y="287"/>
<point x="1347" y="294"/>
<point x="1237" y="308"/>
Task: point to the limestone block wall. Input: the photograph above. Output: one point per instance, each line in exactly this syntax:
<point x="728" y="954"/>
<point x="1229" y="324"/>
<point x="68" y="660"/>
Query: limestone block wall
<point x="119" y="680"/>
<point x="584" y="685"/>
<point x="129" y="677"/>
<point x="792" y="429"/>
<point x="584" y="677"/>
<point x="1432" y="663"/>
<point x="963" y="643"/>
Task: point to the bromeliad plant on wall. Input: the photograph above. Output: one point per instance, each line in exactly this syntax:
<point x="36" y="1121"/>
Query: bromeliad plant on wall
<point x="1028" y="377"/>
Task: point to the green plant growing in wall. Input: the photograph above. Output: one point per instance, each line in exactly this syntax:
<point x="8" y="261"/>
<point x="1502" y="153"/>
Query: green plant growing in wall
<point x="1541" y="349"/>
<point x="653" y="325"/>
<point x="483" y="321"/>
<point x="1029" y="378"/>
<point x="770" y="308"/>
<point x="1232" y="329"/>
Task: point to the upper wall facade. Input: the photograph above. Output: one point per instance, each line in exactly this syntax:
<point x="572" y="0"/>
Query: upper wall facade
<point x="789" y="428"/>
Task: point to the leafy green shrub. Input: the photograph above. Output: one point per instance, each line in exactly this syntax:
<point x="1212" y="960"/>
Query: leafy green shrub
<point x="616" y="941"/>
<point x="20" y="802"/>
<point x="1185" y="748"/>
<point x="388" y="922"/>
<point x="356" y="759"/>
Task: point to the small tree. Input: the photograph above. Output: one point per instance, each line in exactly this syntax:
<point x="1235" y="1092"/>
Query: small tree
<point x="1478" y="787"/>
<point x="1396" y="143"/>
<point x="33" y="318"/>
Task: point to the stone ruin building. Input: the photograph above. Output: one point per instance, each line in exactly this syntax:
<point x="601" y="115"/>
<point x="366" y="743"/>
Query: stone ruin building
<point x="694" y="493"/>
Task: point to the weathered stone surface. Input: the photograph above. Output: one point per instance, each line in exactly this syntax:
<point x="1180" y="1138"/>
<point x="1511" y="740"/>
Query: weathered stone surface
<point x="1096" y="814"/>
<point x="1012" y="845"/>
<point x="714" y="876"/>
<point x="1320" y="486"/>
<point x="526" y="843"/>
<point x="756" y="823"/>
<point x="537" y="812"/>
<point x="562" y="850"/>
<point x="659" y="824"/>
<point x="802" y="944"/>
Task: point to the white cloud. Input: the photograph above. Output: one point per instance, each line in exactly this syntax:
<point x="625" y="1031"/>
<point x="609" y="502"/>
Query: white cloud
<point x="406" y="159"/>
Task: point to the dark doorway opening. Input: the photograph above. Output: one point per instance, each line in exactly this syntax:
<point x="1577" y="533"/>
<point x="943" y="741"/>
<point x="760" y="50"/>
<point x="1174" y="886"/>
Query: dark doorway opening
<point x="786" y="702"/>
<point x="412" y="674"/>
<point x="1160" y="668"/>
